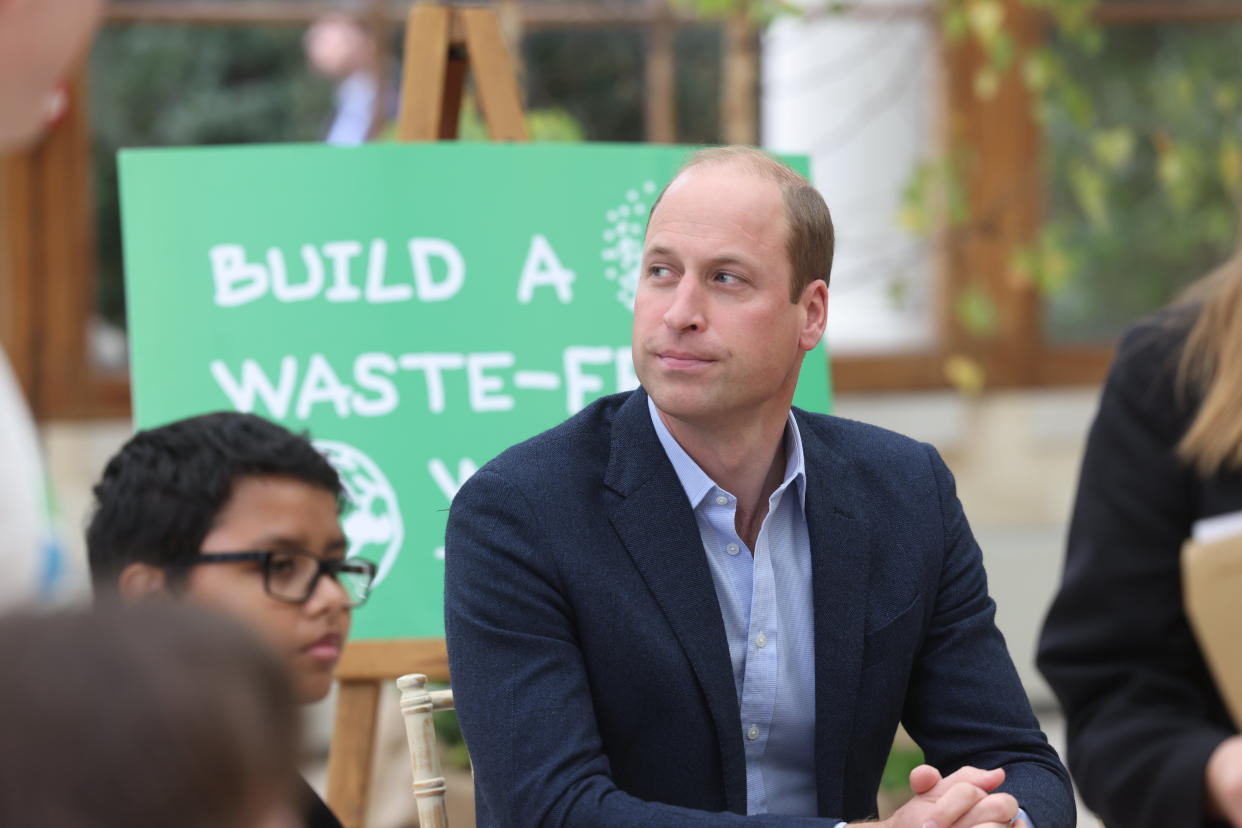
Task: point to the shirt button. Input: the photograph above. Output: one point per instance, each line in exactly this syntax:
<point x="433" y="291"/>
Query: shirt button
<point x="721" y="500"/>
<point x="753" y="733"/>
<point x="761" y="641"/>
<point x="733" y="549"/>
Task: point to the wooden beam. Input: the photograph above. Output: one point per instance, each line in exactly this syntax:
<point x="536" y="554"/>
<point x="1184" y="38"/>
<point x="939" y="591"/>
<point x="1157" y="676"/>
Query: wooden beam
<point x="739" y="81"/>
<point x="996" y="137"/>
<point x="17" y="264"/>
<point x="68" y="261"/>
<point x="201" y="12"/>
<point x="381" y="660"/>
<point x="557" y="15"/>
<point x="1054" y="367"/>
<point x="297" y="12"/>
<point x="661" y="76"/>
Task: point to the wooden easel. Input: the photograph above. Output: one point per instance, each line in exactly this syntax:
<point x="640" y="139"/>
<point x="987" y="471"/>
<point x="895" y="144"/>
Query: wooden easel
<point x="441" y="40"/>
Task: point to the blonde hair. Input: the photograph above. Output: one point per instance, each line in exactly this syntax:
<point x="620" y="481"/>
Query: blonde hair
<point x="1210" y="368"/>
<point x="811" y="238"/>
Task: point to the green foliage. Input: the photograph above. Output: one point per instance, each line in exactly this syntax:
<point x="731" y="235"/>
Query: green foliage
<point x="164" y="85"/>
<point x="1142" y="156"/>
<point x="594" y="75"/>
<point x="1144" y="166"/>
<point x="977" y="312"/>
<point x="935" y="189"/>
<point x="551" y="124"/>
<point x="901" y="761"/>
<point x="761" y="11"/>
<point x="453" y="752"/>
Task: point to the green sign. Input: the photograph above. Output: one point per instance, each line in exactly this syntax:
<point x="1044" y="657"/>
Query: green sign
<point x="417" y="308"/>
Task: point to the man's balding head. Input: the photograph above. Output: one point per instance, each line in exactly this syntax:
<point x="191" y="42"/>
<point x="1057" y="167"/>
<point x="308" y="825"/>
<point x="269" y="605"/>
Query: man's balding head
<point x="810" y="238"/>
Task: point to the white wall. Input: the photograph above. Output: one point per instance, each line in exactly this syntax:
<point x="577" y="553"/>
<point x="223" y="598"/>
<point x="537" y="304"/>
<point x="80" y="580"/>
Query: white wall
<point x="859" y="95"/>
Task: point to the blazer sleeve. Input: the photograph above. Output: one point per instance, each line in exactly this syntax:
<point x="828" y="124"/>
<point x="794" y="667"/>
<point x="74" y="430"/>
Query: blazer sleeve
<point x="965" y="704"/>
<point x="1116" y="646"/>
<point x="519" y="681"/>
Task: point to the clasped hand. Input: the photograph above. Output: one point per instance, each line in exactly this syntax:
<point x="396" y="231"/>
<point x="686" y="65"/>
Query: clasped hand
<point x="965" y="798"/>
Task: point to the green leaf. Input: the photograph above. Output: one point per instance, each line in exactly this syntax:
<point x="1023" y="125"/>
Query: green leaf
<point x="953" y="22"/>
<point x="1225" y="98"/>
<point x="1113" y="148"/>
<point x="1091" y="192"/>
<point x="1039" y="70"/>
<point x="986" y="83"/>
<point x="1001" y="52"/>
<point x="1229" y="164"/>
<point x="985" y="19"/>
<point x="976" y="311"/>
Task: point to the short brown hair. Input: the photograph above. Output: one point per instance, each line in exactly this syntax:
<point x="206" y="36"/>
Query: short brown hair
<point x="811" y="238"/>
<point x="145" y="714"/>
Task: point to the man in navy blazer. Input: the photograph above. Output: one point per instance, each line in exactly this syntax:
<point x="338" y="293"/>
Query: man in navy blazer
<point x="692" y="605"/>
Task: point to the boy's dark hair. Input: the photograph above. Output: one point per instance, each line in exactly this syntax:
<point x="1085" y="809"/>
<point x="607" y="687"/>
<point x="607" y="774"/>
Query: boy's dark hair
<point x="160" y="494"/>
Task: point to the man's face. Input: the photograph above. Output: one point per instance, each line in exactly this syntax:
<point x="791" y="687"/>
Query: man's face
<point x="279" y="513"/>
<point x="38" y="39"/>
<point x="716" y="338"/>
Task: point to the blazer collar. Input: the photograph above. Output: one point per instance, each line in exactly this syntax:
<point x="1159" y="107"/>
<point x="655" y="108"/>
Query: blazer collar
<point x="840" y="551"/>
<point x="654" y="520"/>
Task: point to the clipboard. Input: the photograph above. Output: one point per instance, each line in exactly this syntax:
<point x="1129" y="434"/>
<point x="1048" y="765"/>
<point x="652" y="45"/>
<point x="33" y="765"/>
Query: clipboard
<point x="1212" y="594"/>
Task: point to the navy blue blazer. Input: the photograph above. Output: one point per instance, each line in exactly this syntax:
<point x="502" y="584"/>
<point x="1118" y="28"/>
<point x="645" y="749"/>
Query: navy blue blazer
<point x="588" y="656"/>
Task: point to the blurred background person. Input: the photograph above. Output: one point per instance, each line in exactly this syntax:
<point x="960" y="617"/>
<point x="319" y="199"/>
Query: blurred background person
<point x="38" y="41"/>
<point x="143" y="716"/>
<point x="340" y="47"/>
<point x="1149" y="739"/>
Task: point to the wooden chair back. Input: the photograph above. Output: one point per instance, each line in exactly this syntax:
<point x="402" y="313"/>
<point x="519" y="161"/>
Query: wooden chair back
<point x="417" y="706"/>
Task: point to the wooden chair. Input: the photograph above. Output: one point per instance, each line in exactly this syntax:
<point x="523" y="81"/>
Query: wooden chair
<point x="417" y="706"/>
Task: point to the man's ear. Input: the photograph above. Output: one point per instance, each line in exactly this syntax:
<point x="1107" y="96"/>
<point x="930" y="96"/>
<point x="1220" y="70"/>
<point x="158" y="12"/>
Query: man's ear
<point x="815" y="300"/>
<point x="139" y="580"/>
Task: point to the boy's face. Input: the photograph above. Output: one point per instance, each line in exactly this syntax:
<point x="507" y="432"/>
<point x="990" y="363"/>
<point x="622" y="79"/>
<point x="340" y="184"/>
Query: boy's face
<point x="279" y="514"/>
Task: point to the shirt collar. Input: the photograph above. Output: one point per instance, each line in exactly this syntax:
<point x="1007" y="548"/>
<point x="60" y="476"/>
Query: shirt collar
<point x="695" y="481"/>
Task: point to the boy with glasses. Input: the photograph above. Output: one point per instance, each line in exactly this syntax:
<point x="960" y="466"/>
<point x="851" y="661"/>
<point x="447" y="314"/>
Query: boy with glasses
<point x="232" y="512"/>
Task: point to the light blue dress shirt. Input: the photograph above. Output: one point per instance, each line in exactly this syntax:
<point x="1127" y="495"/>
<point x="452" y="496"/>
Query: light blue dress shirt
<point x="765" y="601"/>
<point x="767" y="607"/>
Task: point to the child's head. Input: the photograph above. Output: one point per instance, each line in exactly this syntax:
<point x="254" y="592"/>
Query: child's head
<point x="153" y="714"/>
<point x="234" y="512"/>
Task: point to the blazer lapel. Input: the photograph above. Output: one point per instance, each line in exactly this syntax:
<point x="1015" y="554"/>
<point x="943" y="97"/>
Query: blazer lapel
<point x="654" y="520"/>
<point x="840" y="540"/>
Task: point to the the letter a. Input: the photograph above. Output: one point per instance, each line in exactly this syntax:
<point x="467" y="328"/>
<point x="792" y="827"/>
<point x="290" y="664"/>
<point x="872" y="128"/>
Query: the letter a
<point x="543" y="268"/>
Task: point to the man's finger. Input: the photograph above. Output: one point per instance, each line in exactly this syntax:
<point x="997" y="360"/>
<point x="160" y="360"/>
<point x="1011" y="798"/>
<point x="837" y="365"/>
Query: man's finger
<point x="955" y="804"/>
<point x="987" y="780"/>
<point x="993" y="808"/>
<point x="923" y="779"/>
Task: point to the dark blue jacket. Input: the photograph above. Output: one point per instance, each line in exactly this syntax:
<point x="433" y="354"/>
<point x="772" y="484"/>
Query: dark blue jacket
<point x="588" y="655"/>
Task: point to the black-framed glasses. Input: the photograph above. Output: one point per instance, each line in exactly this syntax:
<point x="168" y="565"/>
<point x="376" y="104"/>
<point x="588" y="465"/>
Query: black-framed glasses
<point x="292" y="576"/>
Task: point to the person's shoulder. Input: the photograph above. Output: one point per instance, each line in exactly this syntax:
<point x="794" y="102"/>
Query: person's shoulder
<point x="1145" y="368"/>
<point x="581" y="442"/>
<point x="1154" y="342"/>
<point x="862" y="446"/>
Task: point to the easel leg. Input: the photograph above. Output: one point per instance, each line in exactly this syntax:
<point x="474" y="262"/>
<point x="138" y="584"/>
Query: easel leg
<point x="423" y="78"/>
<point x="349" y="759"/>
<point x="494" y="75"/>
